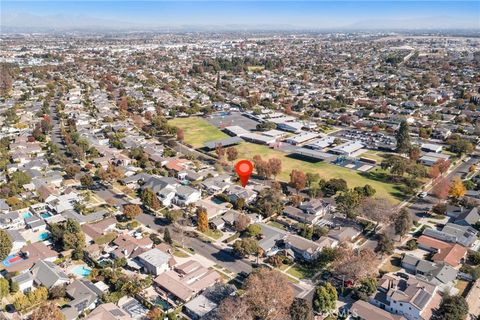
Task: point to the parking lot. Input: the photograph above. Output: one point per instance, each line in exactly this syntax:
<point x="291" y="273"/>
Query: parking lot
<point x="353" y="164"/>
<point x="232" y="119"/>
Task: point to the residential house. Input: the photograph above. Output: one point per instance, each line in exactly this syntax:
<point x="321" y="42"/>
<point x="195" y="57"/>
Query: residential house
<point x="164" y="187"/>
<point x="24" y="281"/>
<point x="84" y="296"/>
<point x="185" y="195"/>
<point x="155" y="261"/>
<point x="362" y="310"/>
<point x="235" y="192"/>
<point x="186" y="280"/>
<point x="305" y="249"/>
<point x="108" y="311"/>
<point x="48" y="274"/>
<point x="454" y="233"/>
<point x="28" y="256"/>
<point x="11" y="220"/>
<point x="4" y="207"/>
<point x="439" y="274"/>
<point x="412" y="298"/>
<point x="18" y="241"/>
<point x="126" y="246"/>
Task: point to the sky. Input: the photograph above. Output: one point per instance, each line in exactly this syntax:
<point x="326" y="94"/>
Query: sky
<point x="300" y="14"/>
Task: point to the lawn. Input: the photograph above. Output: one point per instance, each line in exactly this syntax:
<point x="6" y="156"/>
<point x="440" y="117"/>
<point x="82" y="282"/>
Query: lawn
<point x="277" y="225"/>
<point x="326" y="170"/>
<point x="215" y="234"/>
<point x="392" y="264"/>
<point x="198" y="131"/>
<point x="301" y="272"/>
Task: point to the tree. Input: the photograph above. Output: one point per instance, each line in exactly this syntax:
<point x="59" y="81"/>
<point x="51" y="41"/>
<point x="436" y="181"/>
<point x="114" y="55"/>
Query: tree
<point x="202" y="220"/>
<point x="4" y="288"/>
<point x="452" y="308"/>
<point x="414" y="153"/>
<point x="20" y="178"/>
<point x="5" y="244"/>
<point x="167" y="237"/>
<point x="412" y="244"/>
<point x="234" y="308"/>
<point x="245" y="247"/>
<point x="403" y="222"/>
<point x="232" y="154"/>
<point x="86" y="180"/>
<point x="385" y="244"/>
<point x="354" y="264"/>
<point x="58" y="291"/>
<point x="269" y="202"/>
<point x="220" y="151"/>
<point x="441" y="189"/>
<point x="332" y="186"/>
<point x="275" y="167"/>
<point x="301" y="310"/>
<point x="298" y="180"/>
<point x="457" y="189"/>
<point x="403" y="138"/>
<point x="379" y="210"/>
<point x="132" y="211"/>
<point x="149" y="199"/>
<point x="72" y="170"/>
<point x="68" y="235"/>
<point x="262" y="166"/>
<point x="155" y="314"/>
<point x="348" y="202"/>
<point x="180" y="135"/>
<point x="268" y="294"/>
<point x="253" y="230"/>
<point x="443" y="165"/>
<point x="48" y="311"/>
<point x="325" y="298"/>
<point x="173" y="215"/>
<point x="241" y="222"/>
<point x="434" y="172"/>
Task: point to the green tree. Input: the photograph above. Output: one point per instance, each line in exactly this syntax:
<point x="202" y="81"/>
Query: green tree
<point x="403" y="138"/>
<point x="5" y="244"/>
<point x="385" y="244"/>
<point x="86" y="180"/>
<point x="149" y="199"/>
<point x="269" y="202"/>
<point x="245" y="247"/>
<point x="403" y="222"/>
<point x="20" y="178"/>
<point x="325" y="298"/>
<point x="253" y="230"/>
<point x="173" y="215"/>
<point x="301" y="310"/>
<point x="348" y="202"/>
<point x="4" y="288"/>
<point x="167" y="237"/>
<point x="453" y="308"/>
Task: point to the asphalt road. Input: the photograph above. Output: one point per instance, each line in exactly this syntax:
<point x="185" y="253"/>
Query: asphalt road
<point x="420" y="205"/>
<point x="220" y="256"/>
<point x="55" y="133"/>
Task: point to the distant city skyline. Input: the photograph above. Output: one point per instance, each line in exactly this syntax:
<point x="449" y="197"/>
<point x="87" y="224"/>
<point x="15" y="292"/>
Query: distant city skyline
<point x="242" y="14"/>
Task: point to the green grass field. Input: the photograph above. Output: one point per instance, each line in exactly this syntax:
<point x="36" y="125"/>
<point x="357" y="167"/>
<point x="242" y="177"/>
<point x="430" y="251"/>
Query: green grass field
<point x="198" y="131"/>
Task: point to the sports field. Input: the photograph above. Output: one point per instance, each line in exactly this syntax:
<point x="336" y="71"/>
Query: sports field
<point x="198" y="131"/>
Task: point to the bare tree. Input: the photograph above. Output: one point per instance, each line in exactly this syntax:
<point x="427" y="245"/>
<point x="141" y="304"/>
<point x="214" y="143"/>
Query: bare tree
<point x="355" y="264"/>
<point x="379" y="210"/>
<point x="269" y="295"/>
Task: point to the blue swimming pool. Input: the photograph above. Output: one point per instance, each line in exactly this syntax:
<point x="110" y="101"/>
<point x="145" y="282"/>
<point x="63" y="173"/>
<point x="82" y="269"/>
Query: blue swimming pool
<point x="43" y="236"/>
<point x="26" y="215"/>
<point x="82" y="271"/>
<point x="45" y="215"/>
<point x="164" y="305"/>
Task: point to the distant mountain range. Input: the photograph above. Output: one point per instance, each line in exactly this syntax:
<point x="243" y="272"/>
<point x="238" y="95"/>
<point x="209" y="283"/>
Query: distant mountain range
<point x="26" y="22"/>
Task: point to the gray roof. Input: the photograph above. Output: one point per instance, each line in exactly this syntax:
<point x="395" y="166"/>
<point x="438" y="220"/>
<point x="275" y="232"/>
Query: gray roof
<point x="23" y="278"/>
<point x="47" y="274"/>
<point x="468" y="217"/>
<point x="223" y="142"/>
<point x="4" y="205"/>
<point x="15" y="236"/>
<point x="155" y="257"/>
<point x="80" y="218"/>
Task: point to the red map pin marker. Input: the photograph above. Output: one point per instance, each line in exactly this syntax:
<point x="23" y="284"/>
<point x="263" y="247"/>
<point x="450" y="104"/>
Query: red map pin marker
<point x="244" y="169"/>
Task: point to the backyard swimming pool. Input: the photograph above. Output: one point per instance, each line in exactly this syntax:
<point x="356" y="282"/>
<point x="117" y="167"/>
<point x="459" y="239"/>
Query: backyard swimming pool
<point x="26" y="215"/>
<point x="164" y="305"/>
<point x="43" y="236"/>
<point x="45" y="215"/>
<point x="82" y="271"/>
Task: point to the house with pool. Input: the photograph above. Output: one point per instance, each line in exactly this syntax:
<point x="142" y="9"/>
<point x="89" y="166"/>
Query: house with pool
<point x="27" y="256"/>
